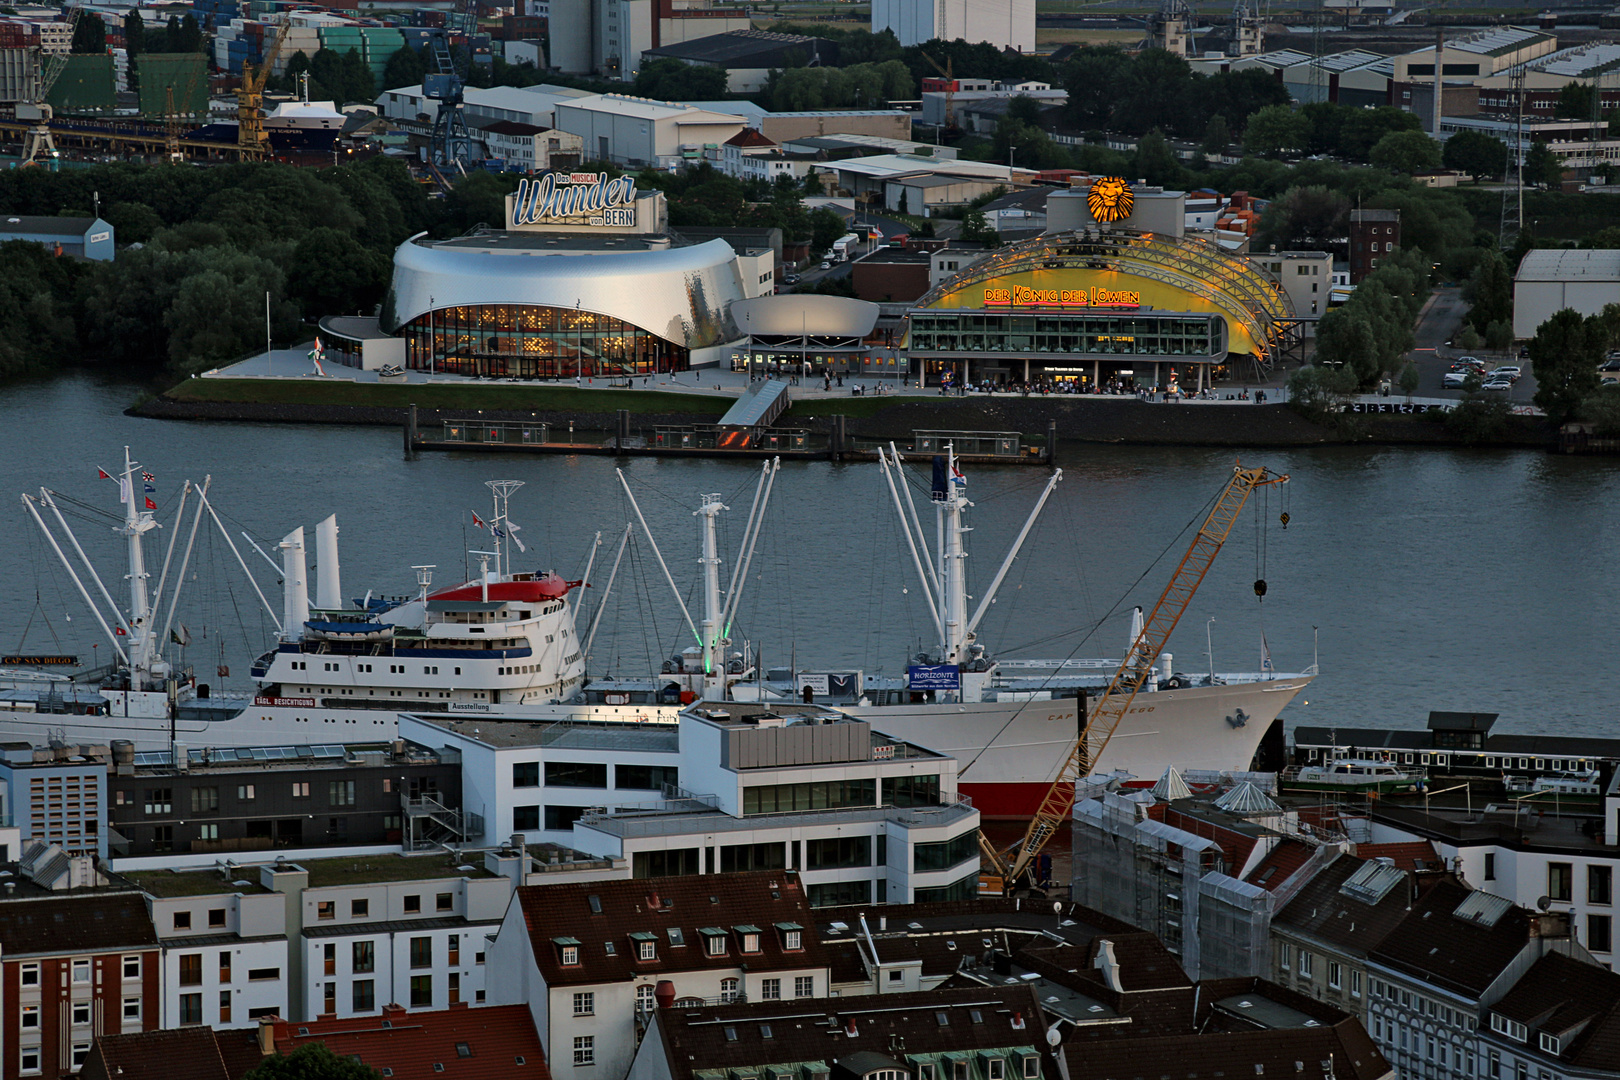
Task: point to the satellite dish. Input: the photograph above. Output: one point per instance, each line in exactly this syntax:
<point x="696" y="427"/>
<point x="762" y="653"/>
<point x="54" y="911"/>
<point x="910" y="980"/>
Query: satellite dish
<point x="1544" y="903"/>
<point x="1053" y="1036"/>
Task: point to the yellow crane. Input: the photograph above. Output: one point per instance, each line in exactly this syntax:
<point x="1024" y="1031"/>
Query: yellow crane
<point x="1010" y="865"/>
<point x="252" y="143"/>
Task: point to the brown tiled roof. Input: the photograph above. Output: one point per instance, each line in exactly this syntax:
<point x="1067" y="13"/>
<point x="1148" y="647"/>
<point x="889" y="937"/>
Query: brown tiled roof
<point x="844" y="962"/>
<point x="1144" y="962"/>
<point x="1237" y="846"/>
<point x="189" y="1053"/>
<point x="1166" y="1010"/>
<point x="656" y="906"/>
<point x="734" y="1036"/>
<point x="1432" y="943"/>
<point x="1342" y="1052"/>
<point x="1416" y="855"/>
<point x="92" y="922"/>
<point x="1282" y="863"/>
<point x="1323" y="912"/>
<point x="748" y="137"/>
<point x="1559" y="993"/>
<point x="492" y="1043"/>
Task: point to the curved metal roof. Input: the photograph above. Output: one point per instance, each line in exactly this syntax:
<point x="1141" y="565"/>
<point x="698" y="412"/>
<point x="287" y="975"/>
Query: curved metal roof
<point x="681" y="294"/>
<point x="791" y="314"/>
<point x="1196" y="266"/>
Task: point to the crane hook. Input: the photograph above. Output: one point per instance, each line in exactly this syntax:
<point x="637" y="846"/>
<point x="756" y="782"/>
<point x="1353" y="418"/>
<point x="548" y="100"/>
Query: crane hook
<point x="1284" y="519"/>
<point x="1260" y="587"/>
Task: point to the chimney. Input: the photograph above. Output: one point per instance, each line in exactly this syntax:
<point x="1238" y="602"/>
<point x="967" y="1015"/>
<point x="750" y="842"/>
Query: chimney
<point x="1108" y="964"/>
<point x="664" y="993"/>
<point x="267" y="1035"/>
<point x="652" y="901"/>
<point x="1018" y="1021"/>
<point x="850" y="1029"/>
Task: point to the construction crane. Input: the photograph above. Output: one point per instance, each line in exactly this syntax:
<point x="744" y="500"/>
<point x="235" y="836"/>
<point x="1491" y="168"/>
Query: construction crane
<point x="38" y="145"/>
<point x="450" y="143"/>
<point x="252" y="141"/>
<point x="171" y="115"/>
<point x="1103" y="721"/>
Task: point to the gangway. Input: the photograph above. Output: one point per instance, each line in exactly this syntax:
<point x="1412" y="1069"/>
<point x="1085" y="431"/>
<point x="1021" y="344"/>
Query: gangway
<point x="760" y="406"/>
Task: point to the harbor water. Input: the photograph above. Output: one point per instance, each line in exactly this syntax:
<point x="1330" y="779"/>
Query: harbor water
<point x="1417" y="579"/>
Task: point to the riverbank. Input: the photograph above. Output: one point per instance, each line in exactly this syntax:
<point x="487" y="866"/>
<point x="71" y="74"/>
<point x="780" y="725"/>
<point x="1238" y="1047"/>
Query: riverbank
<point x="1086" y="419"/>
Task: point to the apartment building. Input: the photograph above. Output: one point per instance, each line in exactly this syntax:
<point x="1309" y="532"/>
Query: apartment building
<point x="590" y="959"/>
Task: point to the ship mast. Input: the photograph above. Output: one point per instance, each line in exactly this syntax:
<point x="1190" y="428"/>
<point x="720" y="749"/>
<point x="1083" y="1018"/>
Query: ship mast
<point x="501" y="492"/>
<point x="714" y="655"/>
<point x="137" y="522"/>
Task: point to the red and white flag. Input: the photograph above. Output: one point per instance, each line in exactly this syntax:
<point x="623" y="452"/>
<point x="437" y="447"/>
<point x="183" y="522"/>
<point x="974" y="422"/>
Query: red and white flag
<point x="478" y="522"/>
<point x="150" y="505"/>
<point x="120" y="631"/>
<point x="102" y="474"/>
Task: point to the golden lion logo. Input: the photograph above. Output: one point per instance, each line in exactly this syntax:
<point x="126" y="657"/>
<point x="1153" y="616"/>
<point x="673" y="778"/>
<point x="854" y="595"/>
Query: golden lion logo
<point x="1110" y="199"/>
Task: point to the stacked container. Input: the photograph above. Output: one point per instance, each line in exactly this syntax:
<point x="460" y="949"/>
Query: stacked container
<point x="382" y="42"/>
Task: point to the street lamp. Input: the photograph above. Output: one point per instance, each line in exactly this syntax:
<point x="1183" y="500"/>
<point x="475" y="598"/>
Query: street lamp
<point x="1010" y="149"/>
<point x="1209" y="643"/>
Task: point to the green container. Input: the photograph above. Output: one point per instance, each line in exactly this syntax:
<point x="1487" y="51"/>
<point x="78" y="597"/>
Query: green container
<point x="185" y="73"/>
<point x="85" y="87"/>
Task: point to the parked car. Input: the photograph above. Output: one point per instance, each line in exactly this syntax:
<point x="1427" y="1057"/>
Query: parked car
<point x="1524" y="352"/>
<point x="1497" y="382"/>
<point x="1609" y="365"/>
<point x="1453" y="380"/>
<point x="826" y="266"/>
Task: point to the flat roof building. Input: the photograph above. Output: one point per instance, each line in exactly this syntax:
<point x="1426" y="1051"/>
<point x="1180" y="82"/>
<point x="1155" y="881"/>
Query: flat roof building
<point x="80" y="237"/>
<point x="1549" y="280"/>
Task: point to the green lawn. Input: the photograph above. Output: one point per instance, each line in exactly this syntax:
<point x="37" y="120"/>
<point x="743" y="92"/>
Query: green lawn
<point x="445" y="396"/>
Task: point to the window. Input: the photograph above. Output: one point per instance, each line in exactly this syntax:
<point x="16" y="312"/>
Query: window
<point x="997" y="1069"/>
<point x="244" y="792"/>
<point x="1599" y="884"/>
<point x="750" y="939"/>
<point x="525" y="774"/>
<point x="81" y="971"/>
<point x="735" y="858"/>
<point x="359" y="909"/>
<point x="1304" y="964"/>
<point x="340" y="793"/>
<point x="945" y="854"/>
<point x="191" y="969"/>
<point x="300" y="790"/>
<point x="1511" y="1028"/>
<point x="1032" y="1067"/>
<point x="911" y="790"/>
<point x="584" y="1004"/>
<point x="714" y="944"/>
<point x="191" y="1009"/>
<point x="204" y="799"/>
<point x="804" y="986"/>
<point x="224" y="1006"/>
<point x="584" y="1050"/>
<point x="1550" y="1044"/>
<point x="1559" y="881"/>
<point x="326" y="909"/>
<point x="225" y="966"/>
<point x="132" y="967"/>
<point x="525" y="818"/>
<point x="364" y="956"/>
<point x="1335" y="974"/>
<point x="413" y="904"/>
<point x="421" y="952"/>
<point x="30" y="1017"/>
<point x="132" y="1008"/>
<point x="576" y="774"/>
<point x="570" y="955"/>
<point x="421" y="991"/>
<point x="792" y="940"/>
<point x="1599" y="933"/>
<point x="28" y="974"/>
<point x="81" y="1012"/>
<point x="645" y="777"/>
<point x="28" y="1060"/>
<point x="1490" y="866"/>
<point x="728" y="991"/>
<point x="770" y="989"/>
<point x="648" y="950"/>
<point x="672" y="863"/>
<point x="444" y="902"/>
<point x="836" y="893"/>
<point x="1355" y="983"/>
<point x="159" y="800"/>
<point x="836" y="852"/>
<point x="820" y="795"/>
<point x="364" y="995"/>
<point x="645" y="1002"/>
<point x="264" y="974"/>
<point x="80" y="1052"/>
<point x="182" y="920"/>
<point x="216" y="918"/>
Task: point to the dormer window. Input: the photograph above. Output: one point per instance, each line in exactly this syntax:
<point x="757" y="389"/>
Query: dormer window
<point x="568" y="950"/>
<point x="714" y="941"/>
<point x="748" y="938"/>
<point x="792" y="936"/>
<point x="1551" y="1044"/>
<point x="645" y="944"/>
<point x="1032" y="1067"/>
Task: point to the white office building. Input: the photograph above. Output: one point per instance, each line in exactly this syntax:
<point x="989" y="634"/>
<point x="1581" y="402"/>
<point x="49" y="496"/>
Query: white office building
<point x="1006" y="24"/>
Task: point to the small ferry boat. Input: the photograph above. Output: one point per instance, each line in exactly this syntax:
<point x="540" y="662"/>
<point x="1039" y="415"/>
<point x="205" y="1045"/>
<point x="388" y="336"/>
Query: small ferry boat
<point x="1353" y="775"/>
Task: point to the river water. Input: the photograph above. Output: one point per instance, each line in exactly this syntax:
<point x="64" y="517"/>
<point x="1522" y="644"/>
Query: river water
<point x="1418" y="579"/>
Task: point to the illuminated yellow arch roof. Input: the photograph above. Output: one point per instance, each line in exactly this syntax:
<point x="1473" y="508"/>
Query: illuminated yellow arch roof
<point x="1258" y="312"/>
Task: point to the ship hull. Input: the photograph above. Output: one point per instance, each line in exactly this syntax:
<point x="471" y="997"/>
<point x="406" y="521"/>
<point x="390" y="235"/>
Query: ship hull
<point x="1010" y="752"/>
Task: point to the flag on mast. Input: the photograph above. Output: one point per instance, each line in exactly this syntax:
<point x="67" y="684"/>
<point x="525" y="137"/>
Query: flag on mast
<point x="102" y="474"/>
<point x="123" y="489"/>
<point x="478" y="522"/>
<point x="150" y="505"/>
<point x="513" y="528"/>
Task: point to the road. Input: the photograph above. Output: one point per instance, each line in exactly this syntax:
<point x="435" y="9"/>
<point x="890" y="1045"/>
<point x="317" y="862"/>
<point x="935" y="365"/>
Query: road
<point x="1437" y="327"/>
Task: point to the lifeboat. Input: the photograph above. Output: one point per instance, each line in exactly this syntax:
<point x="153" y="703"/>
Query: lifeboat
<point x="350" y="631"/>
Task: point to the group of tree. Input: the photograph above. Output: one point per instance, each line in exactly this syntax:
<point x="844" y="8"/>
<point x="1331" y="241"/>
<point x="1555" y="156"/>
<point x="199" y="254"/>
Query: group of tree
<point x="333" y="76"/>
<point x="1368" y="336"/>
<point x="1565" y="354"/>
<point x="1111" y="89"/>
<point x="199" y="249"/>
<point x="869" y="85"/>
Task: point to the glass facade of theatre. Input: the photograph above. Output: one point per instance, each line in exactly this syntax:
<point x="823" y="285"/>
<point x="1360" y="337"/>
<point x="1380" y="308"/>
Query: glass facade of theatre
<point x="1089" y="336"/>
<point x="527" y="341"/>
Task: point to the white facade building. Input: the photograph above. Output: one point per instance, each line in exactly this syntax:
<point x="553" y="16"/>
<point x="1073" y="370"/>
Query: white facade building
<point x="1551" y="280"/>
<point x="531" y="148"/>
<point x="224" y="955"/>
<point x="1003" y="23"/>
<point x="639" y="131"/>
<point x="588" y="959"/>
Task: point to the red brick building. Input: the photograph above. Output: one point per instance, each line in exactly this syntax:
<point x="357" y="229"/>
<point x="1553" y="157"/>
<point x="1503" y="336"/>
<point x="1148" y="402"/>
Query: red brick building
<point x="1374" y="235"/>
<point x="73" y="966"/>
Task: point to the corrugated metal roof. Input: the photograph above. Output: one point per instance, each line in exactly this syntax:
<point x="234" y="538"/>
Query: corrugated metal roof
<point x="1563" y="265"/>
<point x="1247" y="799"/>
<point x="1171" y="786"/>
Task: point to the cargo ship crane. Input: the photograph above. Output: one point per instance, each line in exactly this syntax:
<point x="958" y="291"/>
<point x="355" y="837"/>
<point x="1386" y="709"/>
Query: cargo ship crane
<point x="1104" y="720"/>
<point x="38" y="145"/>
<point x="253" y="143"/>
